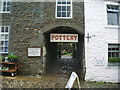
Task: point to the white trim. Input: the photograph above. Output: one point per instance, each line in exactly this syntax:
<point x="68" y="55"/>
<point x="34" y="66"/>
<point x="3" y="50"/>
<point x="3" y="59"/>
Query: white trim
<point x="106" y="64"/>
<point x="106" y="21"/>
<point x="111" y="3"/>
<point x="1" y="11"/>
<point x="5" y="33"/>
<point x="71" y="13"/>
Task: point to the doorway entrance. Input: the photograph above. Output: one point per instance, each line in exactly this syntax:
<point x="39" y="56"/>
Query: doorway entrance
<point x="66" y="50"/>
<point x="64" y="57"/>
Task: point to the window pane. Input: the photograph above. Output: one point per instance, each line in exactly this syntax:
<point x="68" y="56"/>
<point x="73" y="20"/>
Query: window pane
<point x="6" y="49"/>
<point x="4" y="3"/>
<point x="2" y="36"/>
<point x="63" y="8"/>
<point x="59" y="8"/>
<point x="68" y="14"/>
<point x="113" y="49"/>
<point x="59" y="1"/>
<point x="4" y="8"/>
<point x="8" y="8"/>
<point x="6" y="36"/>
<point x="2" y="29"/>
<point x="112" y="15"/>
<point x="2" y="43"/>
<point x="68" y="8"/>
<point x="8" y="3"/>
<point x="109" y="54"/>
<point x="113" y="54"/>
<point x="68" y="1"/>
<point x="109" y="49"/>
<point x="6" y="43"/>
<point x="117" y="54"/>
<point x="112" y="18"/>
<point x="63" y="1"/>
<point x="58" y="14"/>
<point x="117" y="49"/>
<point x="6" y="29"/>
<point x="63" y="14"/>
<point x="108" y="7"/>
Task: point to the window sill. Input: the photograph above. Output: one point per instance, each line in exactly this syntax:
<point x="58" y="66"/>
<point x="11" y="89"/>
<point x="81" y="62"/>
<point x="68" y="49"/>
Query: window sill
<point x="113" y="63"/>
<point x="112" y="26"/>
<point x="3" y="52"/>
<point x="63" y="17"/>
<point x="4" y="12"/>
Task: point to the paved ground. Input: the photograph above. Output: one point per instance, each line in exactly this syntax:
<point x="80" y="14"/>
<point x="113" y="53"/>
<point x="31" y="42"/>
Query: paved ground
<point x="56" y="79"/>
<point x="47" y="81"/>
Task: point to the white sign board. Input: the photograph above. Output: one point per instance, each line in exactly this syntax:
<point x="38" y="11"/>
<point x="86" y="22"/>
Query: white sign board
<point x="34" y="51"/>
<point x="71" y="80"/>
<point x="63" y="37"/>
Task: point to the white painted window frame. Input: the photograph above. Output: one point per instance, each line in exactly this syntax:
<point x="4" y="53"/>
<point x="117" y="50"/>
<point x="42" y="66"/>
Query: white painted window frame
<point x="71" y="14"/>
<point x="106" y="20"/>
<point x="1" y="10"/>
<point x="107" y="63"/>
<point x="4" y="39"/>
<point x="114" y="45"/>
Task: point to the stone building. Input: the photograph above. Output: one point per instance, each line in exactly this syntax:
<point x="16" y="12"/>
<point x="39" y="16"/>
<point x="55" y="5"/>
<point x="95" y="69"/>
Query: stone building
<point x="30" y="24"/>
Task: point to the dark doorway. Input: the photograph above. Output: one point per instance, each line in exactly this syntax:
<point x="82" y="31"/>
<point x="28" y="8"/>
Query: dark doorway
<point x="63" y="58"/>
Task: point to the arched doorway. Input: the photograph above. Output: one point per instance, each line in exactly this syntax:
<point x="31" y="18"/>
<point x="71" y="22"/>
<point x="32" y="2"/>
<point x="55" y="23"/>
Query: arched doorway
<point x="64" y="57"/>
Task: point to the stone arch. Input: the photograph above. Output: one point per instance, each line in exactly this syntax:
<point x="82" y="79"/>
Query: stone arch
<point x="50" y="26"/>
<point x="74" y="29"/>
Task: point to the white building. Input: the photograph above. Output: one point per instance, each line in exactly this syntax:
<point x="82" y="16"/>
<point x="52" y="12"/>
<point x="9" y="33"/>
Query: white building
<point x="101" y="23"/>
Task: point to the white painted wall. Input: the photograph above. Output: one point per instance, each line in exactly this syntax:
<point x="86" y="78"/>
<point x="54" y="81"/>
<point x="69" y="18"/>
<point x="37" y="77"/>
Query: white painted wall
<point x="96" y="50"/>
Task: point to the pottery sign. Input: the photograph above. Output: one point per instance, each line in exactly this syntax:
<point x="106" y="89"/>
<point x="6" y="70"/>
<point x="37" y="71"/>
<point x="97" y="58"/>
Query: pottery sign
<point x="63" y="37"/>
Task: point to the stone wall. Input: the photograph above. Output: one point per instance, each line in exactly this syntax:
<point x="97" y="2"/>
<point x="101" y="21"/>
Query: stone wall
<point x="29" y="22"/>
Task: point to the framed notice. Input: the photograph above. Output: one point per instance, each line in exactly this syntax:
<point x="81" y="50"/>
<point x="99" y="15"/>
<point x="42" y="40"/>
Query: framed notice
<point x="34" y="51"/>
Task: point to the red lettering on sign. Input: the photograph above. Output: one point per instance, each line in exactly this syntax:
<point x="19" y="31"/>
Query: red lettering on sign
<point x="53" y="37"/>
<point x="68" y="37"/>
<point x="75" y="37"/>
<point x="56" y="37"/>
<point x="71" y="37"/>
<point x="60" y="36"/>
<point x="64" y="36"/>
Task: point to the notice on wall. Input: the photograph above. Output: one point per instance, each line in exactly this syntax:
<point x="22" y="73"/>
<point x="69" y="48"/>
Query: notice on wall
<point x="63" y="37"/>
<point x="99" y="62"/>
<point x="34" y="52"/>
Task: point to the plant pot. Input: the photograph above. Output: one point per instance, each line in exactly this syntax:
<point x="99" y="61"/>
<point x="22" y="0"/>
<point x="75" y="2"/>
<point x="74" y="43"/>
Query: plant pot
<point x="3" y="60"/>
<point x="12" y="60"/>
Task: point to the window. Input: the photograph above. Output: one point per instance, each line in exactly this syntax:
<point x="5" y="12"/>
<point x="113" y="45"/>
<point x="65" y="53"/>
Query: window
<point x="114" y="50"/>
<point x="64" y="9"/>
<point x="112" y="14"/>
<point x="5" y="6"/>
<point x="4" y="39"/>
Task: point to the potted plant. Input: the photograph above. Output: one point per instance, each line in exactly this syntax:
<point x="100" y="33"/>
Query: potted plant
<point x="2" y="59"/>
<point x="114" y="61"/>
<point x="12" y="58"/>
